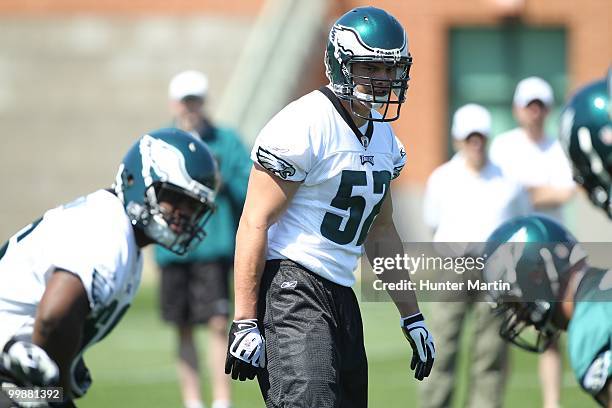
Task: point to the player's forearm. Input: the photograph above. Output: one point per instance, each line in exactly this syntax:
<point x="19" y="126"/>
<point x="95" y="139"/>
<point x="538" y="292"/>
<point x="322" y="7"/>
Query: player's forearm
<point x="61" y="340"/>
<point x="60" y="337"/>
<point x="249" y="262"/>
<point x="550" y="197"/>
<point x="385" y="242"/>
<point x="60" y="318"/>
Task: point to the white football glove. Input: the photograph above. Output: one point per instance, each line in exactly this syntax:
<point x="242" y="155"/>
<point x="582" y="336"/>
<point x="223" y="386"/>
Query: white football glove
<point x="29" y="364"/>
<point x="246" y="350"/>
<point x="423" y="349"/>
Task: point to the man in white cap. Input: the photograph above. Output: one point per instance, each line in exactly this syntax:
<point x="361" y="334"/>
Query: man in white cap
<point x="195" y="287"/>
<point x="532" y="157"/>
<point x="538" y="162"/>
<point x="465" y="200"/>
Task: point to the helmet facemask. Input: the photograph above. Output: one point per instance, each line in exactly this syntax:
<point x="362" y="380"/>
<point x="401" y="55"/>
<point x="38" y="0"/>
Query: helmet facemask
<point x="528" y="325"/>
<point x="528" y="306"/>
<point x="180" y="229"/>
<point x="379" y="93"/>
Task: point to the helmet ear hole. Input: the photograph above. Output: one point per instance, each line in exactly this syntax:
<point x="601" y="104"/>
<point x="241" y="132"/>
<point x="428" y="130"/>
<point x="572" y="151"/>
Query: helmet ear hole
<point x="130" y="180"/>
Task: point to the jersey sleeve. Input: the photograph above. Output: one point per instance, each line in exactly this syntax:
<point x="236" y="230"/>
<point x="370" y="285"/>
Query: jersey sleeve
<point x="399" y="157"/>
<point x="283" y="147"/>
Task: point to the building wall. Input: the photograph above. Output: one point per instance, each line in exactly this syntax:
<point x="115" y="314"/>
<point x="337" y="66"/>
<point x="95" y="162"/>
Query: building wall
<point x="165" y="7"/>
<point x="77" y="90"/>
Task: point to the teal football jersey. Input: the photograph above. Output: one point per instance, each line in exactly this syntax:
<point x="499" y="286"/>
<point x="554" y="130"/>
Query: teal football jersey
<point x="590" y="331"/>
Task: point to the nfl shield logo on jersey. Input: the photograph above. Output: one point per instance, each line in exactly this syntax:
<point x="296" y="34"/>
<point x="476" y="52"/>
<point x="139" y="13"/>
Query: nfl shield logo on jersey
<point x="367" y="159"/>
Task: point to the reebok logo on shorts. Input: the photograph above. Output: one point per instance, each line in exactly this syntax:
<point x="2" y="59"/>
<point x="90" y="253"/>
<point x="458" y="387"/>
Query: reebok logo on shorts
<point x="289" y="285"/>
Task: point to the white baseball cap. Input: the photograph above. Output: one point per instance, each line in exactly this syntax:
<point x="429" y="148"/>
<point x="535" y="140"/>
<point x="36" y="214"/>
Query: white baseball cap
<point x="532" y="89"/>
<point x="188" y="83"/>
<point x="471" y="118"/>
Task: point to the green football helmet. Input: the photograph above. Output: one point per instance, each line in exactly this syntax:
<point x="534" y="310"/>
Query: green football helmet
<point x="586" y="136"/>
<point x="534" y="255"/>
<point x="168" y="165"/>
<point x="368" y="34"/>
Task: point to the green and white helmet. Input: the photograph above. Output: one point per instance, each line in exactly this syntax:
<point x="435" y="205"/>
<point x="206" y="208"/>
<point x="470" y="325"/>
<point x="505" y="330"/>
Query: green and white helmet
<point x="586" y="136"/>
<point x="533" y="256"/>
<point x="368" y="34"/>
<point x="168" y="164"/>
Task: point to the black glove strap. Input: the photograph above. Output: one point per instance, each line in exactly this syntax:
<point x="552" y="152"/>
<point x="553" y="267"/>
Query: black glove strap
<point x="413" y="319"/>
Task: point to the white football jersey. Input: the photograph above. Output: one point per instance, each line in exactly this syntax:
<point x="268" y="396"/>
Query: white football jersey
<point x="343" y="182"/>
<point x="90" y="237"/>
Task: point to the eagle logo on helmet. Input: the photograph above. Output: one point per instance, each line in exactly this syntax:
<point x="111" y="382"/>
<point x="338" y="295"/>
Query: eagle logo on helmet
<point x="349" y="41"/>
<point x="168" y="163"/>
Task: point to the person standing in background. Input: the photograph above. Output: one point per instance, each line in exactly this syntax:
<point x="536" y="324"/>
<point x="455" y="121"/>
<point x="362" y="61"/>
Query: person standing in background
<point x="194" y="287"/>
<point x="534" y="158"/>
<point x="537" y="161"/>
<point x="465" y="200"/>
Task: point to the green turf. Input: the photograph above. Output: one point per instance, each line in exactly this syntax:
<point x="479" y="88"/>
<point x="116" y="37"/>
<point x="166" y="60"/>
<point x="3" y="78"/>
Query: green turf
<point x="133" y="366"/>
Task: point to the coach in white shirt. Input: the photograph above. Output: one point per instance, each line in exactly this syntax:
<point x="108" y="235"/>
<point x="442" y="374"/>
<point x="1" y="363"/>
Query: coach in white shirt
<point x="469" y="196"/>
<point x="465" y="200"/>
<point x="532" y="157"/>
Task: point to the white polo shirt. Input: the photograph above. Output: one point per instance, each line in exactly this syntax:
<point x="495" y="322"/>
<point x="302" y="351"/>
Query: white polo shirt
<point x="533" y="164"/>
<point x="465" y="206"/>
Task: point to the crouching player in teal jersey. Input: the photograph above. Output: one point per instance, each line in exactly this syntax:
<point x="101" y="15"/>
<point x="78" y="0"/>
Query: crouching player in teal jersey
<point x="551" y="288"/>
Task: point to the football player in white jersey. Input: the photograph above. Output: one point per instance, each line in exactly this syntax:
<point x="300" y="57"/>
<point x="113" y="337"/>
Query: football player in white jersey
<point x="68" y="278"/>
<point x="318" y="193"/>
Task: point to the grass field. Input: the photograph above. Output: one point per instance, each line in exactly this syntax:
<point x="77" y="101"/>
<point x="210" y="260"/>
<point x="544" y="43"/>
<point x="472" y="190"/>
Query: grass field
<point x="134" y="366"/>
